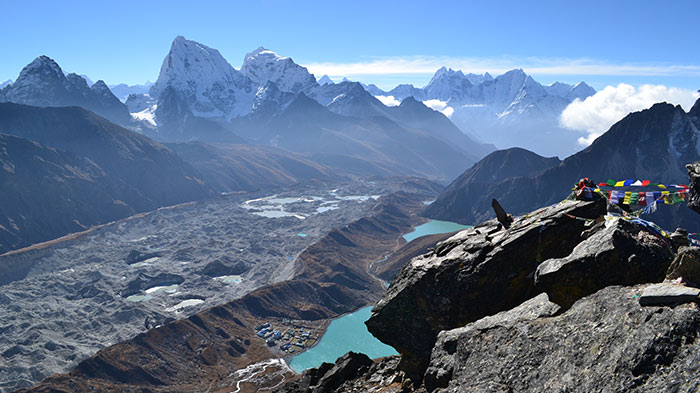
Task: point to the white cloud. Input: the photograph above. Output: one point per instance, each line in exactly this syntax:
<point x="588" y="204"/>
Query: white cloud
<point x="531" y="65"/>
<point x="388" y="100"/>
<point x="597" y="113"/>
<point x="440" y="106"/>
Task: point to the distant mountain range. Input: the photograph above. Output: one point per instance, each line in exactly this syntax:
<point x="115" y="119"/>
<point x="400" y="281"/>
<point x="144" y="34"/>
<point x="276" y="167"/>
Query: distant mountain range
<point x="510" y="110"/>
<point x="123" y="91"/>
<point x="274" y="101"/>
<point x="199" y="96"/>
<point x="654" y="144"/>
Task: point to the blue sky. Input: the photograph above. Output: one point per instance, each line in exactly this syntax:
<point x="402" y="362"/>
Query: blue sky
<point x="382" y="42"/>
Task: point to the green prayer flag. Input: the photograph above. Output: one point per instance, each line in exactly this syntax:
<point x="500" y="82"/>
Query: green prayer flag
<point x="677" y="197"/>
<point x="634" y="198"/>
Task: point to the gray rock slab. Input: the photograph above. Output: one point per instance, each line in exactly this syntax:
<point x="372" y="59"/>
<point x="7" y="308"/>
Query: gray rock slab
<point x="618" y="253"/>
<point x="665" y="294"/>
<point x="442" y="358"/>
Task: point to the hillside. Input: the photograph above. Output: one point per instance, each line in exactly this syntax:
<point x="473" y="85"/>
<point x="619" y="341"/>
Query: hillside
<point x="237" y="167"/>
<point x="467" y="198"/>
<point x="47" y="192"/>
<point x="654" y="144"/>
<point x="125" y="173"/>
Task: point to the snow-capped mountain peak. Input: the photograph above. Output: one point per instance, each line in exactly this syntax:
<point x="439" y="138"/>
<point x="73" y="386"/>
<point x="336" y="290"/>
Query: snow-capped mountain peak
<point x="325" y="80"/>
<point x="204" y="80"/>
<point x="263" y="65"/>
<point x="448" y="84"/>
<point x="581" y="91"/>
<point x="265" y="53"/>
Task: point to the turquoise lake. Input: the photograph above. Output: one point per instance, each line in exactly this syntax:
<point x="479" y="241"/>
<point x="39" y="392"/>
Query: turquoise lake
<point x="433" y="227"/>
<point x="347" y="333"/>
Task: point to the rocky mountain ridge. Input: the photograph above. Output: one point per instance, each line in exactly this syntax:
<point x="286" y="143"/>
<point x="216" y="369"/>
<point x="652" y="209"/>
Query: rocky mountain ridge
<point x="43" y="83"/>
<point x="653" y="144"/>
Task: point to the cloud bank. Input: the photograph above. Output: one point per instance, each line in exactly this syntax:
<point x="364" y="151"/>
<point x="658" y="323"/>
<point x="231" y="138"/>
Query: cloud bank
<point x="388" y="100"/>
<point x="440" y="106"/>
<point x="597" y="113"/>
<point x="532" y="65"/>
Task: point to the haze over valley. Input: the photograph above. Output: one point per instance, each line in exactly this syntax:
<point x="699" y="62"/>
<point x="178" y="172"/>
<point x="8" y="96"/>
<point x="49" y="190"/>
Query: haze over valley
<point x="273" y="197"/>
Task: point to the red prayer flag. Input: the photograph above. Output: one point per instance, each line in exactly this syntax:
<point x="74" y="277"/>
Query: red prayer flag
<point x="642" y="201"/>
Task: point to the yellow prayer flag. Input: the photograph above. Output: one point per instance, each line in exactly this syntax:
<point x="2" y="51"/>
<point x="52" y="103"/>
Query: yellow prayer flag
<point x="628" y="195"/>
<point x="620" y="183"/>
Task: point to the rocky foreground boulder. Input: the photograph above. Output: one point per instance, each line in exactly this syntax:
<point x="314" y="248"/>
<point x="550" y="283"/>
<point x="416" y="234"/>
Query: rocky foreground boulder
<point x="605" y="342"/>
<point x="615" y="252"/>
<point x="478" y="272"/>
<point x="568" y="299"/>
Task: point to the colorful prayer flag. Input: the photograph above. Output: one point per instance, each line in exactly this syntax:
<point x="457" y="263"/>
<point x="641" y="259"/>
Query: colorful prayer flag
<point x="638" y="183"/>
<point x="642" y="199"/>
<point x="613" y="197"/>
<point x="634" y="198"/>
<point x="678" y="197"/>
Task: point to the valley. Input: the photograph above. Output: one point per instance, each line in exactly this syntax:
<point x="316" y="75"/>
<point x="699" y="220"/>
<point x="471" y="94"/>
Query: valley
<point x="79" y="295"/>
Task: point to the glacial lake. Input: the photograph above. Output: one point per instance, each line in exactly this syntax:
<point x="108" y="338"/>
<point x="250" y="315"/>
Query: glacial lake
<point x="433" y="227"/>
<point x="347" y="333"/>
